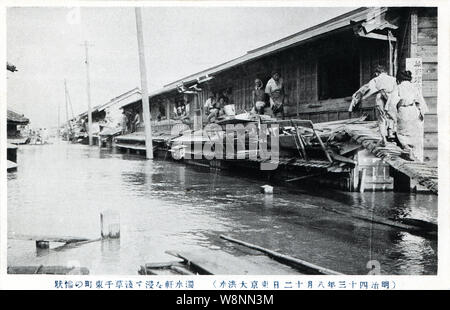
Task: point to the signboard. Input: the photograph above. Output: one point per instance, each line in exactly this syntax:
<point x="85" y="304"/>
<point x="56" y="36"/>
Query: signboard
<point x="415" y="66"/>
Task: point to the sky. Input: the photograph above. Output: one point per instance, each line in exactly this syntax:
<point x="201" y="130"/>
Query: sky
<point x="46" y="46"/>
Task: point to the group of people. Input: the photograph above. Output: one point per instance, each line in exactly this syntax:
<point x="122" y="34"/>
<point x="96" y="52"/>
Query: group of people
<point x="400" y="107"/>
<point x="215" y="105"/>
<point x="400" y="110"/>
<point x="274" y="91"/>
<point x="267" y="100"/>
<point x="130" y="122"/>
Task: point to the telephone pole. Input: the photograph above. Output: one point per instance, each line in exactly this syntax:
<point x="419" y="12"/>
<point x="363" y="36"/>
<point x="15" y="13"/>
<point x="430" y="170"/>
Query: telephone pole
<point x="88" y="90"/>
<point x="145" y="102"/>
<point x="67" y="107"/>
<point x="59" y="114"/>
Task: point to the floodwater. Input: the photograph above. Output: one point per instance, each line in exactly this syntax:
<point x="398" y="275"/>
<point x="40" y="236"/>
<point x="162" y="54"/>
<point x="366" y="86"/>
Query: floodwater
<point x="61" y="189"/>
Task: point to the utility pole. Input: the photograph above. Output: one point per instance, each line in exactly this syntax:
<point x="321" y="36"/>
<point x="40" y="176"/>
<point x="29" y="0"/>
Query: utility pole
<point x="59" y="113"/>
<point x="67" y="107"/>
<point x="145" y="102"/>
<point x="88" y="90"/>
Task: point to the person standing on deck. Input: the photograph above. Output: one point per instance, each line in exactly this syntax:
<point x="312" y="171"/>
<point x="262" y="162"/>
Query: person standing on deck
<point x="275" y="90"/>
<point x="411" y="108"/>
<point x="383" y="86"/>
<point x="258" y="98"/>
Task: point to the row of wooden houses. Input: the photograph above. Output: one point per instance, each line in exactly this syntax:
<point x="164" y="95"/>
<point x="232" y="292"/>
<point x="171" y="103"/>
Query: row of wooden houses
<point x="322" y="67"/>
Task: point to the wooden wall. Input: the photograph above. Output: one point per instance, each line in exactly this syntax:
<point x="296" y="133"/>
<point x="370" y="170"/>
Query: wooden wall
<point x="299" y="68"/>
<point x="421" y="41"/>
<point x="427" y="49"/>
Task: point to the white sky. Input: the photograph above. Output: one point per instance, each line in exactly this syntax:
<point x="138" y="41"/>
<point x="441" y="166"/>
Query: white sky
<point x="45" y="45"/>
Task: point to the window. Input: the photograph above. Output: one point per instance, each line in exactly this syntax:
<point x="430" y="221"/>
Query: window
<point x="338" y="75"/>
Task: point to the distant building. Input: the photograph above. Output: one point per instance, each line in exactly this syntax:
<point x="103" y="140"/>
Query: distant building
<point x="14" y="123"/>
<point x="11" y="67"/>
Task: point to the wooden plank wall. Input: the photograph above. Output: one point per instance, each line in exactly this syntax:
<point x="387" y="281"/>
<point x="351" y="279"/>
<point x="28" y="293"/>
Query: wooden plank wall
<point x="298" y="67"/>
<point x="418" y="38"/>
<point x="427" y="49"/>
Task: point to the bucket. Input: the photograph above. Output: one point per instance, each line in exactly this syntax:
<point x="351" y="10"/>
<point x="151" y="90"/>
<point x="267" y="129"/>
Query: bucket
<point x="229" y="110"/>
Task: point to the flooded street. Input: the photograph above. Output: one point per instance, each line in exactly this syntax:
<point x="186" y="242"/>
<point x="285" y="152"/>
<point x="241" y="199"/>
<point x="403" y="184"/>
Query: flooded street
<point x="61" y="189"/>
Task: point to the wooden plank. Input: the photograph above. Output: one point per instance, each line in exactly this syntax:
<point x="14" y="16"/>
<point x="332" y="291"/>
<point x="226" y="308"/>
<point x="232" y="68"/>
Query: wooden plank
<point x="427" y="36"/>
<point x="431" y="123"/>
<point x="131" y="137"/>
<point x="181" y="270"/>
<point x="429" y="72"/>
<point x="60" y="270"/>
<point x="430" y="155"/>
<point x="162" y="265"/>
<point x="427" y="22"/>
<point x="429" y="88"/>
<point x="222" y="263"/>
<point x="428" y="53"/>
<point x="305" y="266"/>
<point x="61" y="239"/>
<point x="430" y="140"/>
<point x="432" y="104"/>
<point x="131" y="146"/>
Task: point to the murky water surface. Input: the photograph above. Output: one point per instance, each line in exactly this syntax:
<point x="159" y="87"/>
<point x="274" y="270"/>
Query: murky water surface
<point x="61" y="189"/>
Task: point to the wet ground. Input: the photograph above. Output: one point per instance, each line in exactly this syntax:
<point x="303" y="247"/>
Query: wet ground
<point x="61" y="189"/>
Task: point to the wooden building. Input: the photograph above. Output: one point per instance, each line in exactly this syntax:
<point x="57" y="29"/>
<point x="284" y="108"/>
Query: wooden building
<point x="323" y="66"/>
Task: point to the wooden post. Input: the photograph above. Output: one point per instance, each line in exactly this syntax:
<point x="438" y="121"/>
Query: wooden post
<point x="88" y="91"/>
<point x="362" y="180"/>
<point x="110" y="224"/>
<point x="197" y="112"/>
<point x="42" y="244"/>
<point x="58" y="136"/>
<point x="168" y="111"/>
<point x="414" y="33"/>
<point x="143" y="70"/>
<point x="391" y="54"/>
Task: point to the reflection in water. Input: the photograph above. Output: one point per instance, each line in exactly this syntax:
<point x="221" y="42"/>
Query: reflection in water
<point x="110" y="247"/>
<point x="165" y="205"/>
<point x="42" y="252"/>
